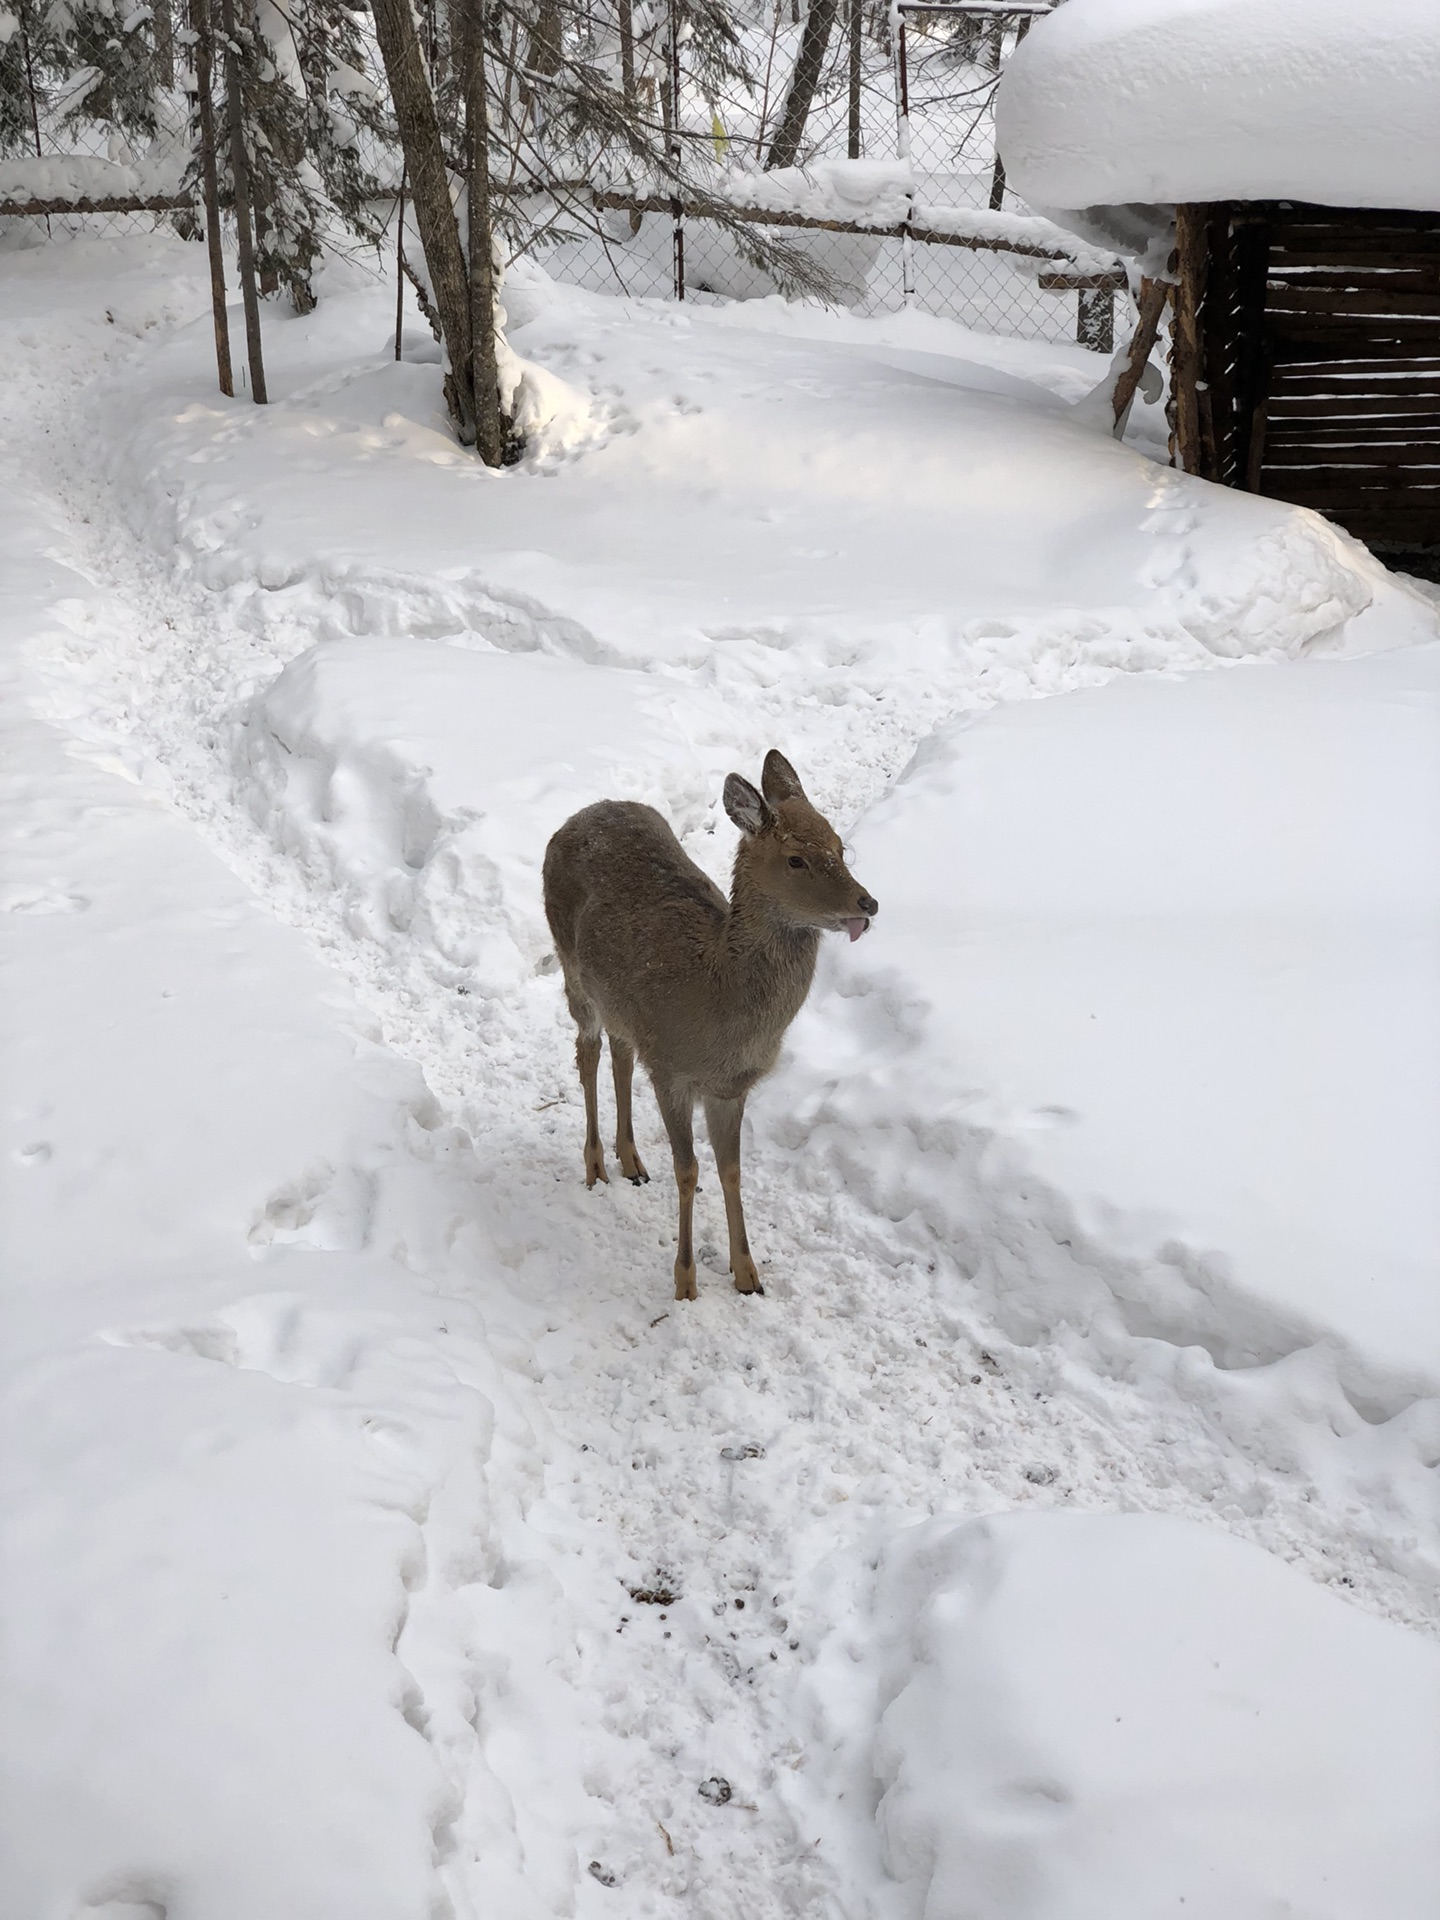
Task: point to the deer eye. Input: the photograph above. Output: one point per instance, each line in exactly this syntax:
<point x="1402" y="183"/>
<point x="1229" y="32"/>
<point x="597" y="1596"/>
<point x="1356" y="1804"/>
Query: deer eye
<point x="796" y="861"/>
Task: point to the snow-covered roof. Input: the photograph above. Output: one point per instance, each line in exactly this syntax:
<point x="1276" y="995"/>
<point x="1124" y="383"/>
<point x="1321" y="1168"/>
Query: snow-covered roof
<point x="1115" y="102"/>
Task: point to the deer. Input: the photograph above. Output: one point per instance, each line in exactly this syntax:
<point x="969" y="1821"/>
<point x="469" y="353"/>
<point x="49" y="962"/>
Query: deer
<point x="700" y="988"/>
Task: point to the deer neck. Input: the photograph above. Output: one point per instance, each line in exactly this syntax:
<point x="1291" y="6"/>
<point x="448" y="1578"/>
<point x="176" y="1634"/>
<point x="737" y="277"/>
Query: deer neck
<point x="766" y="958"/>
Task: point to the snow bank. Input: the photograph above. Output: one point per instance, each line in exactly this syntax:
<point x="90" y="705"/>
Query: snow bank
<point x="723" y="496"/>
<point x="1061" y="1716"/>
<point x="1109" y="102"/>
<point x="1176" y="943"/>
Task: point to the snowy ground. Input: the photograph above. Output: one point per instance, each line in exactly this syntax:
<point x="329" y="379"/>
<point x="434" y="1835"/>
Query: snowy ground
<point x="345" y="1428"/>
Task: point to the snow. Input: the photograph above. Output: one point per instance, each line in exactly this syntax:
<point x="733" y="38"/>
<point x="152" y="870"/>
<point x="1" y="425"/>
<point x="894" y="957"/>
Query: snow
<point x="345" y="1430"/>
<point x="1211" y="902"/>
<point x="883" y="194"/>
<point x="75" y="177"/>
<point x="1113" y="102"/>
<point x="1080" y="1714"/>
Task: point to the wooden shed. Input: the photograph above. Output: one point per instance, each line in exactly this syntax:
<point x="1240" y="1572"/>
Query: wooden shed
<point x="1305" y="362"/>
<point x="1288" y="151"/>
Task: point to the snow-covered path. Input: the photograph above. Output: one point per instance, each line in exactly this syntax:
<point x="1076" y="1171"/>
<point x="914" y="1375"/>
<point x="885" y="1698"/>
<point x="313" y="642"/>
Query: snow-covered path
<point x="491" y="1426"/>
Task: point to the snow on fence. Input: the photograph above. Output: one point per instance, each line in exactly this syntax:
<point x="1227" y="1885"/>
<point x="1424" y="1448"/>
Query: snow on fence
<point x="996" y="271"/>
<point x="34" y="186"/>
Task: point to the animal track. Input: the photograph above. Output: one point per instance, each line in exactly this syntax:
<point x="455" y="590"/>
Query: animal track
<point x="325" y="1211"/>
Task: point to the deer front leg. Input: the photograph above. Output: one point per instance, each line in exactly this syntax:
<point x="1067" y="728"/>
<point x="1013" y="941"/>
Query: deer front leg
<point x="678" y="1113"/>
<point x="622" y="1065"/>
<point x="723" y="1118"/>
<point x="587" y="1059"/>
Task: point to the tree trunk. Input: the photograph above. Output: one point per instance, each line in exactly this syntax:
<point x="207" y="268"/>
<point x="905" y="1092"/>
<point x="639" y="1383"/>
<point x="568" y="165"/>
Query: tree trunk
<point x="415" y="117"/>
<point x="210" y="183"/>
<point x="163" y="28"/>
<point x="544" y="52"/>
<point x="492" y="429"/>
<point x="627" y="54"/>
<point x="240" y="182"/>
<point x="785" y="147"/>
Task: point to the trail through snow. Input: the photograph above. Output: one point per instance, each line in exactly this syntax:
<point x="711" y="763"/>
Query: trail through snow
<point x="633" y="1564"/>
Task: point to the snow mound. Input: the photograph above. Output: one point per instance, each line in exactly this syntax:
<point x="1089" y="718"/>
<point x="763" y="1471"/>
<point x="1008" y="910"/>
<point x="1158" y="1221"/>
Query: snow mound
<point x="1111" y="102"/>
<point x="1061" y="1716"/>
<point x="1175" y="944"/>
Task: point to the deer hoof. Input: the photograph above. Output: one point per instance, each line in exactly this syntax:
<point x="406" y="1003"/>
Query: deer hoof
<point x="747" y="1280"/>
<point x="633" y="1168"/>
<point x="595" y="1167"/>
<point x="685" y="1283"/>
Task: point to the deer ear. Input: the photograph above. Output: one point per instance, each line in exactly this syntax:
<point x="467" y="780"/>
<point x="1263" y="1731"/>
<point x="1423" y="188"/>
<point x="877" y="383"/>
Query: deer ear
<point x="745" y="806"/>
<point x="779" y="780"/>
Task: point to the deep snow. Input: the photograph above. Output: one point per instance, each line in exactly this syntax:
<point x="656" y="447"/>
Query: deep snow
<point x="346" y="1425"/>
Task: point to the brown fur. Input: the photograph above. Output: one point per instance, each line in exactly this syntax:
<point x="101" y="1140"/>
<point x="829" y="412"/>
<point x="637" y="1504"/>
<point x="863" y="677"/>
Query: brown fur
<point x="700" y="988"/>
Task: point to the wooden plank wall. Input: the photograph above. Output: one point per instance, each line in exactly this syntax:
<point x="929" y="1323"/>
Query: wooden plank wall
<point x="1306" y="360"/>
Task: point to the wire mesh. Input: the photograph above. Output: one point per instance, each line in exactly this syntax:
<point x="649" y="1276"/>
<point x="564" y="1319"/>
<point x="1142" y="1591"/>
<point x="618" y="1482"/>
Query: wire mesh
<point x="953" y="67"/>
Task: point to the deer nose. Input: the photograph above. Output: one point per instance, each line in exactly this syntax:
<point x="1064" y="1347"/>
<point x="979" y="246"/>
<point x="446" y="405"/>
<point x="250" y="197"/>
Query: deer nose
<point x="868" y="904"/>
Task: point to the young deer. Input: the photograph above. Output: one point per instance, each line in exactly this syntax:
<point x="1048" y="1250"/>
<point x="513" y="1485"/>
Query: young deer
<point x="701" y="988"/>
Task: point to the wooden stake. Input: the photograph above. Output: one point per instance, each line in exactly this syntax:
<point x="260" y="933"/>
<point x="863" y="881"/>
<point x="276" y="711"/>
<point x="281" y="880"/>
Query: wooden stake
<point x="1142" y="344"/>
<point x="240" y="181"/>
<point x="204" y="80"/>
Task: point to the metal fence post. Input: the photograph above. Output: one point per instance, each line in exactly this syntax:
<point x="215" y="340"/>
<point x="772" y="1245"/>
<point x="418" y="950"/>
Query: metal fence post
<point x="902" y="143"/>
<point x="677" y="212"/>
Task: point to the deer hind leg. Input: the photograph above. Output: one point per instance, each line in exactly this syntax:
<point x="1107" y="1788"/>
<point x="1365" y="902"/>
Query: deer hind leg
<point x="678" y="1112"/>
<point x="723" y="1118"/>
<point x="622" y="1065"/>
<point x="587" y="1059"/>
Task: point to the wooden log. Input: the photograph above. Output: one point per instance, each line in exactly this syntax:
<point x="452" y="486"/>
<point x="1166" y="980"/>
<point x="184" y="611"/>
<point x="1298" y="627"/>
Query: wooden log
<point x="1191" y="221"/>
<point x="700" y="209"/>
<point x="1408" y="275"/>
<point x="1353" y="377"/>
<point x="1364" y="432"/>
<point x="1082" y="282"/>
<point x="1153" y="296"/>
<point x="1294" y="341"/>
<point x="1347" y="301"/>
<point x="1354" y="489"/>
<point x="124" y="203"/>
<point x="1358" y="408"/>
<point x="1403" y="454"/>
<point x="1416" y="251"/>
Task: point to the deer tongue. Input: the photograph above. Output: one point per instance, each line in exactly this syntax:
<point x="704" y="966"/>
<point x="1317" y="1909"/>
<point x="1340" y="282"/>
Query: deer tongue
<point x="856" y="927"/>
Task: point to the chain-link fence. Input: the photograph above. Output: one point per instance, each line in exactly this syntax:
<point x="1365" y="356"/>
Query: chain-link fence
<point x="944" y="65"/>
<point x="992" y="291"/>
